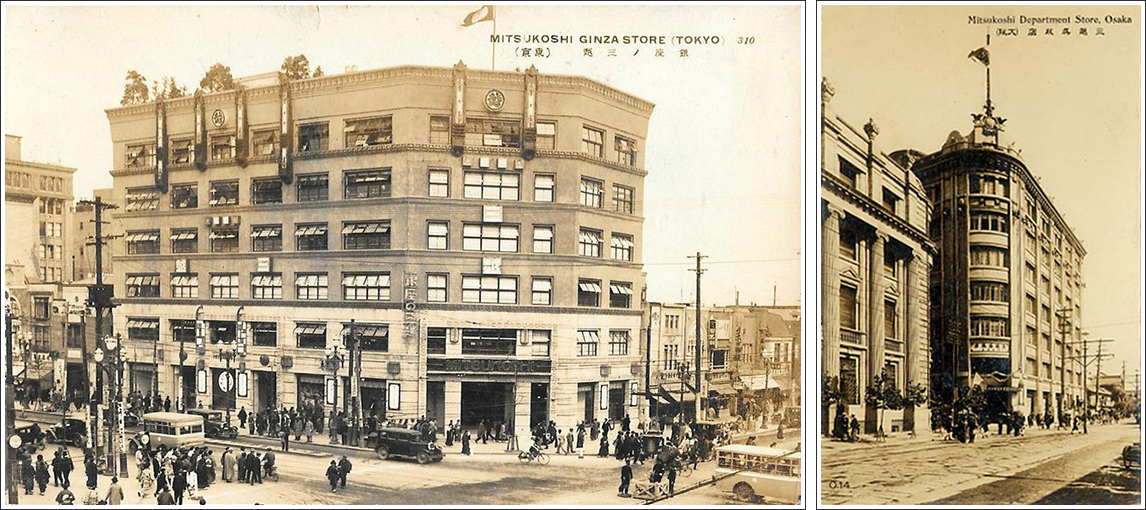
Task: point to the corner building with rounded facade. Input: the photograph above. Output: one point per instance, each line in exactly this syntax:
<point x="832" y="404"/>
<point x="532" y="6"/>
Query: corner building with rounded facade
<point x="481" y="231"/>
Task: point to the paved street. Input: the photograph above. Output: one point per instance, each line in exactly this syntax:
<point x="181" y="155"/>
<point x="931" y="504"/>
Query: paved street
<point x="490" y="476"/>
<point x="995" y="469"/>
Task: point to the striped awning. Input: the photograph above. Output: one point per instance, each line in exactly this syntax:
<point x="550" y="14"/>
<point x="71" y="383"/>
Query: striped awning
<point x="184" y="281"/>
<point x="590" y="237"/>
<point x="365" y="228"/>
<point x="143" y="280"/>
<point x="589" y="336"/>
<point x="142" y="323"/>
<point x="310" y="329"/>
<point x="224" y="234"/>
<point x="310" y="230"/>
<point x="589" y="286"/>
<point x="266" y="280"/>
<point x="187" y="235"/>
<point x="143" y="237"/>
<point x="622" y="242"/>
<point x="264" y="232"/>
<point x="367" y="330"/>
<point x="366" y="280"/>
<point x="310" y="280"/>
<point x="620" y="289"/>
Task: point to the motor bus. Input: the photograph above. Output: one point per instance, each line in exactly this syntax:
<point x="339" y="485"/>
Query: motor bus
<point x="759" y="472"/>
<point x="172" y="430"/>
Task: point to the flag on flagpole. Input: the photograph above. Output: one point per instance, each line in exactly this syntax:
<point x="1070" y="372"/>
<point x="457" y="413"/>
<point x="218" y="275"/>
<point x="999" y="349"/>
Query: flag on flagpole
<point x="977" y="380"/>
<point x="982" y="55"/>
<point x="478" y="16"/>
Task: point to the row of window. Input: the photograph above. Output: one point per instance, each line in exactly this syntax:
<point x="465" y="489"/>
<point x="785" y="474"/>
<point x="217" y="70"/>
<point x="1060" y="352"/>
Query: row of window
<point x="51" y="206"/>
<point x="376" y="183"/>
<point x="375" y="235"/>
<point x="366" y="132"/>
<point x="51" y="229"/>
<point x="849" y="312"/>
<point x="375" y="286"/>
<point x="50" y="251"/>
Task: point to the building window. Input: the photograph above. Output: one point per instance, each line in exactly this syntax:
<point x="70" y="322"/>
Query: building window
<point x="51" y="206"/>
<point x="185" y="285"/>
<point x="224" y="193"/>
<point x="849" y="379"/>
<point x="143" y="329"/>
<point x="141" y="199"/>
<point x="491" y="186"/>
<point x="266" y="191"/>
<point x="181" y="151"/>
<point x="891" y="201"/>
<point x="1032" y="306"/>
<point x="440" y="130"/>
<point x="497" y="342"/>
<point x="43" y="308"/>
<point x="366" y="286"/>
<point x="437" y="288"/>
<point x="546" y="136"/>
<point x="848" y="244"/>
<point x="592" y="192"/>
<point x="623" y="199"/>
<point x="435" y="340"/>
<point x="991" y="222"/>
<point x="313" y="188"/>
<point x="264" y="334"/>
<point x="543" y="239"/>
<point x="988" y="185"/>
<point x="593" y="142"/>
<point x="625" y="150"/>
<point x="222" y="147"/>
<point x="620" y="294"/>
<point x="590" y="243"/>
<point x="224" y="239"/>
<point x="265" y="142"/>
<point x="310" y="237"/>
<point x="267" y="238"/>
<point x="56" y="229"/>
<point x="52" y="251"/>
<point x="489" y="289"/>
<point x="1029" y="274"/>
<point x="437" y="235"/>
<point x="889" y="262"/>
<point x="367" y="184"/>
<point x="267" y="285"/>
<point x="990" y="256"/>
<point x="142" y="285"/>
<point x="588" y="292"/>
<point x="719" y="358"/>
<point x="184" y="196"/>
<point x="1046" y="314"/>
<point x="618" y="342"/>
<point x="366" y="235"/>
<point x="849" y="172"/>
<point x="848" y="307"/>
<point x="225" y="286"/>
<point x="314" y="137"/>
<point x="182" y="331"/>
<point x="371" y="337"/>
<point x="139" y="243"/>
<point x="543" y="185"/>
<point x="587" y="341"/>
<point x="139" y="156"/>
<point x="990" y="291"/>
<point x="542" y="290"/>
<point x="487" y="237"/>
<point x="540" y="341"/>
<point x="622" y="246"/>
<point x="310" y="285"/>
<point x="439" y="183"/>
<point x="366" y="132"/>
<point x="493" y="133"/>
<point x="310" y="335"/>
<point x="890" y="322"/>
<point x="990" y="327"/>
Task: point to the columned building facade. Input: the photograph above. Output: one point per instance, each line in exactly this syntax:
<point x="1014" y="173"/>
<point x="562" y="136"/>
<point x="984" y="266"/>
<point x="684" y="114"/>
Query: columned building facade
<point x="477" y="233"/>
<point x="1006" y="291"/>
<point x="875" y="257"/>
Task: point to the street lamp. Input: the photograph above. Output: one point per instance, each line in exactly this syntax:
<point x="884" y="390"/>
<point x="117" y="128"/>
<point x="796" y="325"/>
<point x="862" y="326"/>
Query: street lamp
<point x="11" y="320"/>
<point x="114" y="365"/>
<point x="683" y="374"/>
<point x="228" y="354"/>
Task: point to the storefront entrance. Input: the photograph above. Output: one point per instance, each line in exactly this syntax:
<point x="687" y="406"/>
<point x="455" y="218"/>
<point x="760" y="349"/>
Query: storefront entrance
<point x="436" y="401"/>
<point x="223" y="388"/>
<point x="266" y="390"/>
<point x="539" y="404"/>
<point x="492" y="402"/>
<point x="189" y="396"/>
<point x="617" y="400"/>
<point x="585" y="393"/>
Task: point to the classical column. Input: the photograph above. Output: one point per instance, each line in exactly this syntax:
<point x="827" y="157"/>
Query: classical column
<point x="830" y="292"/>
<point x="875" y="330"/>
<point x="915" y="335"/>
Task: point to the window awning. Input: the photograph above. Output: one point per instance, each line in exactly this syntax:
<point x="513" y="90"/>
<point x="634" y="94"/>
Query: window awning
<point x="312" y="180"/>
<point x="184" y="281"/>
<point x="264" y="232"/>
<point x="143" y="280"/>
<point x="542" y="234"/>
<point x="310" y="230"/>
<point x="365" y="228"/>
<point x="222" y="280"/>
<point x="367" y="177"/>
<point x="722" y="388"/>
<point x="622" y="242"/>
<point x="589" y="287"/>
<point x="588" y="236"/>
<point x="367" y="330"/>
<point x="143" y="324"/>
<point x="185" y="236"/>
<point x="760" y="382"/>
<point x="141" y="195"/>
<point x="225" y="234"/>
<point x="309" y="280"/>
<point x="544" y="284"/>
<point x="589" y="337"/>
<point x="266" y="280"/>
<point x="366" y="280"/>
<point x="620" y="289"/>
<point x="310" y="329"/>
<point x="143" y="237"/>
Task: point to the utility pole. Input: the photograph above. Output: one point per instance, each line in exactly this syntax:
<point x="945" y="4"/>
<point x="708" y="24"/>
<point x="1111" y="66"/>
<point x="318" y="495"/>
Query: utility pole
<point x="696" y="357"/>
<point x="11" y="467"/>
<point x="1063" y="326"/>
<point x="100" y="296"/>
<point x="648" y="365"/>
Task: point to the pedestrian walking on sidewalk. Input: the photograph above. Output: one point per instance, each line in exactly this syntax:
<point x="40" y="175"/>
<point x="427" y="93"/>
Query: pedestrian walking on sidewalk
<point x="241" y="465"/>
<point x="286" y="440"/>
<point x="855" y="429"/>
<point x="344" y="467"/>
<point x="114" y="493"/>
<point x="228" y="461"/>
<point x="466" y="443"/>
<point x="65" y="497"/>
<point x="243" y="417"/>
<point x="308" y="430"/>
<point x="671" y="475"/>
<point x="603" y="451"/>
<point x="92" y="497"/>
<point x="569" y="442"/>
<point x="332" y="476"/>
<point x="178" y="485"/>
<point x="560" y="443"/>
<point x="780" y="431"/>
<point x="42" y="475"/>
<point x="164" y="497"/>
<point x="626" y="477"/>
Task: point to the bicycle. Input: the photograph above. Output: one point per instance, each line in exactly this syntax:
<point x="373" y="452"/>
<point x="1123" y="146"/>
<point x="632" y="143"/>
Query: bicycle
<point x="527" y="457"/>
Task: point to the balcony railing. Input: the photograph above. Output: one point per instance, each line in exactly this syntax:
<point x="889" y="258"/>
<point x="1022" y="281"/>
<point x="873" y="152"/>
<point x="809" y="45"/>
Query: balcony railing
<point x="851" y="337"/>
<point x="893" y="345"/>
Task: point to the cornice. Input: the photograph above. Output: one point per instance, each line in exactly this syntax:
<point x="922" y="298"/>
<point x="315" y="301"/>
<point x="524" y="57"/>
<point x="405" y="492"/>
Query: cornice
<point x="869" y="206"/>
<point x="383" y="305"/>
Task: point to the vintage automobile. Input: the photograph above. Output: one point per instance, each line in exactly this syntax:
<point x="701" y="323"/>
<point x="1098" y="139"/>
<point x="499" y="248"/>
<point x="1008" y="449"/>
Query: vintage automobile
<point x="130" y="419"/>
<point x="31" y="438"/>
<point x="1132" y="456"/>
<point x="387" y="442"/>
<point x="71" y="431"/>
<point x="215" y="425"/>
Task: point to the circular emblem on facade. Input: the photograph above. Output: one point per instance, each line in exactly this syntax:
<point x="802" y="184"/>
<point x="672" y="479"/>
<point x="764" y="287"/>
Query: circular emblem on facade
<point x="494" y="100"/>
<point x="218" y="117"/>
<point x="226" y="381"/>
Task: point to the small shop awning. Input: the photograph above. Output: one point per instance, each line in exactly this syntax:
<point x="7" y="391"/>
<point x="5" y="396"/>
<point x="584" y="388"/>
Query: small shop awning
<point x="760" y="382"/>
<point x="722" y="388"/>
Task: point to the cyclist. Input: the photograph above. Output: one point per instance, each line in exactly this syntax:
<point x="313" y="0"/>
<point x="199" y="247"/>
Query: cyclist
<point x="531" y="449"/>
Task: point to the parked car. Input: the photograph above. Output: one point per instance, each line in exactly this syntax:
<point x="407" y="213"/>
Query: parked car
<point x="71" y="431"/>
<point x="1132" y="456"/>
<point x="130" y="419"/>
<point x="387" y="442"/>
<point x="215" y="424"/>
<point x="31" y="438"/>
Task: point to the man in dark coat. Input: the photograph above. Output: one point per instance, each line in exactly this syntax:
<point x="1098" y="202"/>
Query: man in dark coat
<point x="28" y="476"/>
<point x="254" y="468"/>
<point x="178" y="485"/>
<point x="626" y="477"/>
<point x="241" y="465"/>
<point x="91" y="471"/>
<point x="167" y="404"/>
<point x="164" y="497"/>
<point x="344" y="467"/>
<point x="332" y="475"/>
<point x="42" y="475"/>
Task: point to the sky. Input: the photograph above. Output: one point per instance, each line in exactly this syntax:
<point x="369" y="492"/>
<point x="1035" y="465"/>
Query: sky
<point x="723" y="153"/>
<point x="1073" y="105"/>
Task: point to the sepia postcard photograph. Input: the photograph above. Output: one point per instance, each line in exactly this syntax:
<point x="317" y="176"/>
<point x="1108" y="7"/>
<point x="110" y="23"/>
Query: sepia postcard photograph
<point x="463" y="254"/>
<point x="980" y="260"/>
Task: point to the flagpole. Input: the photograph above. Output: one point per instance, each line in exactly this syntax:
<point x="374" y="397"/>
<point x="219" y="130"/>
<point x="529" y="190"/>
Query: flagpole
<point x="493" y="45"/>
<point x="990" y="110"/>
